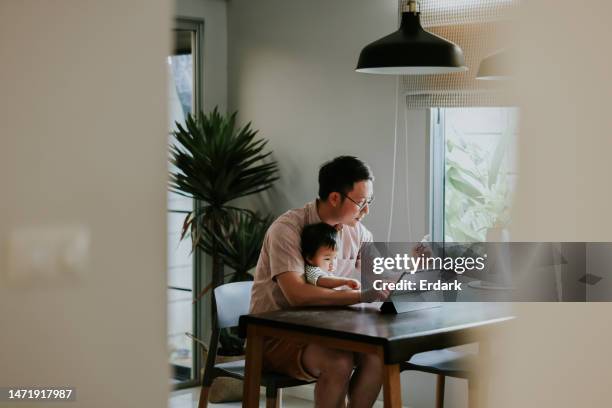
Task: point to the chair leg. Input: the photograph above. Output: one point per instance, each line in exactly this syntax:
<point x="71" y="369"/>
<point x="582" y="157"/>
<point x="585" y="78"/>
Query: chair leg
<point x="440" y="383"/>
<point x="273" y="397"/>
<point x="207" y="382"/>
<point x="204" y="396"/>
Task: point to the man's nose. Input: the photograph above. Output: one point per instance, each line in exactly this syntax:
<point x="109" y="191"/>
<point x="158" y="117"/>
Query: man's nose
<point x="366" y="209"/>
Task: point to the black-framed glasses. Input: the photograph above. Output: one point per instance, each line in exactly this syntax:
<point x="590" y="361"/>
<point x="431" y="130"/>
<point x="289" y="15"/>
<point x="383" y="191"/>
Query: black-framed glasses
<point x="362" y="205"/>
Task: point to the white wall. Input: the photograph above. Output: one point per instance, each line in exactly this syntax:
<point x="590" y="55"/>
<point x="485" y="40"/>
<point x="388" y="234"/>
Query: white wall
<point x="83" y="142"/>
<point x="291" y="72"/>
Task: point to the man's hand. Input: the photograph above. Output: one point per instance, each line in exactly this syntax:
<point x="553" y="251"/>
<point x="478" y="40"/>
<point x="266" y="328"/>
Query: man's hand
<point x="372" y="295"/>
<point x="421" y="249"/>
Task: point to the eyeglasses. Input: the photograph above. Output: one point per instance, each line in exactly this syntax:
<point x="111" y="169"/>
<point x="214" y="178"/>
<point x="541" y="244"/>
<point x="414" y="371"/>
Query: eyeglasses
<point x="362" y="205"/>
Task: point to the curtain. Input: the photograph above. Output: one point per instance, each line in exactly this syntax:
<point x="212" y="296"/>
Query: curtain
<point x="480" y="28"/>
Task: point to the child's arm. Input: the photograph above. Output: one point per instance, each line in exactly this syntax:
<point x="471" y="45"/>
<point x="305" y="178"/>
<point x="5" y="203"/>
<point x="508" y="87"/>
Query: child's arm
<point x="332" y="282"/>
<point x="318" y="277"/>
<point x="313" y="274"/>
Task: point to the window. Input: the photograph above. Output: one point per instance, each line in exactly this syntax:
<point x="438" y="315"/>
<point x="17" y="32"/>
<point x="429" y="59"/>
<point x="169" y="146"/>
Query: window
<point x="183" y="264"/>
<point x="473" y="172"/>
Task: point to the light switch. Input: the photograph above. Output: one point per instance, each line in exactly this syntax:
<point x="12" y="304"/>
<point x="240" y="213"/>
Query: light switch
<point x="48" y="253"/>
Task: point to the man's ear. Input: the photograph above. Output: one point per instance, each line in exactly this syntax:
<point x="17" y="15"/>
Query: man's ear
<point x="334" y="199"/>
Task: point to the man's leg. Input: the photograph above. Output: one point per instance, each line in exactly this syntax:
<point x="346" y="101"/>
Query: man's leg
<point x="333" y="370"/>
<point x="366" y="381"/>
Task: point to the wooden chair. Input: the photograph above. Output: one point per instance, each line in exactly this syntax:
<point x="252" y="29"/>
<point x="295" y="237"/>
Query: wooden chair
<point x="446" y="363"/>
<point x="232" y="300"/>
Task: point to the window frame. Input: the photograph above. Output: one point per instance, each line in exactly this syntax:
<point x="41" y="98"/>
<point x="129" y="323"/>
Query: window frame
<point x="437" y="143"/>
<point x="200" y="325"/>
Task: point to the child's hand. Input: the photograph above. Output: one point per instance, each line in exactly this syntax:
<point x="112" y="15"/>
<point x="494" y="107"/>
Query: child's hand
<point x="352" y="283"/>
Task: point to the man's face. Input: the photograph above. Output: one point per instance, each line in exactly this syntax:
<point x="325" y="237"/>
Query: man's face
<point x="353" y="207"/>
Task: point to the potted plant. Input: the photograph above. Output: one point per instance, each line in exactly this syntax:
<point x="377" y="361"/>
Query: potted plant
<point x="216" y="162"/>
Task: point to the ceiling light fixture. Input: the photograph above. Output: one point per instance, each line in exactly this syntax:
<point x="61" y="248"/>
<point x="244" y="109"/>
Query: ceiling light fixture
<point x="411" y="50"/>
<point x="495" y="67"/>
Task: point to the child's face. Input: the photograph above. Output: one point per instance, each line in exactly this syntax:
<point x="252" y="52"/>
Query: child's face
<point x="324" y="259"/>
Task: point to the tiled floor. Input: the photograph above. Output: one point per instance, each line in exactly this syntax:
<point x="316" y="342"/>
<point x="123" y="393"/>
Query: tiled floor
<point x="189" y="398"/>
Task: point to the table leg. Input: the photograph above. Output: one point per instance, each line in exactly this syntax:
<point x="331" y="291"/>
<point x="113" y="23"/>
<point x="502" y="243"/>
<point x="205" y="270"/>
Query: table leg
<point x="252" y="370"/>
<point x="391" y="386"/>
<point x="440" y="385"/>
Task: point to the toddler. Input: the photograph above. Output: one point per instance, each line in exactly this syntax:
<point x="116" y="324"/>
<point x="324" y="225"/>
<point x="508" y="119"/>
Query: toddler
<point x="319" y="252"/>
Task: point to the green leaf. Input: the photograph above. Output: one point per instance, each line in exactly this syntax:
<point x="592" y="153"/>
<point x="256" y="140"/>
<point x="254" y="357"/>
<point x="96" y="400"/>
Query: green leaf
<point x="463" y="185"/>
<point x="498" y="158"/>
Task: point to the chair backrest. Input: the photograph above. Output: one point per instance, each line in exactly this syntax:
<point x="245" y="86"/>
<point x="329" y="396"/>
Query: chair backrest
<point x="233" y="300"/>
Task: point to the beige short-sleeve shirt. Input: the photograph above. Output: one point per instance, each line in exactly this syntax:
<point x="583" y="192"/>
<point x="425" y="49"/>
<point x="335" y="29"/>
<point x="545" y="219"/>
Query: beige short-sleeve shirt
<point x="281" y="252"/>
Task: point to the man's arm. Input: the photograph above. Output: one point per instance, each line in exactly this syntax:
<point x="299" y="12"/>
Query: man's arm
<point x="300" y="293"/>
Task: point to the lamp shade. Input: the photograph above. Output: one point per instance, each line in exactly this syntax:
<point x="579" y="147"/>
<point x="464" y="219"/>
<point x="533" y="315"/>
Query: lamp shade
<point x="411" y="51"/>
<point x="495" y="67"/>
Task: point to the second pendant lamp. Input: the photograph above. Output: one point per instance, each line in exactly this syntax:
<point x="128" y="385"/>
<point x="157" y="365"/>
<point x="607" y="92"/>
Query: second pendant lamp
<point x="411" y="50"/>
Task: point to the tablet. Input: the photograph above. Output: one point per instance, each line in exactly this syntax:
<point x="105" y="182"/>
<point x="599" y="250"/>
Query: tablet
<point x="403" y="300"/>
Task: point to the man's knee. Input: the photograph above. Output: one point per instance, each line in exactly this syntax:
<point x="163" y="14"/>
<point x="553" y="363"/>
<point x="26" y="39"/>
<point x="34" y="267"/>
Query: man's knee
<point x="329" y="362"/>
<point x="369" y="360"/>
<point x="341" y="363"/>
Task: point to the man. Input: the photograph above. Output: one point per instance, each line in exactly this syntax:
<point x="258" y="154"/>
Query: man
<point x="345" y="194"/>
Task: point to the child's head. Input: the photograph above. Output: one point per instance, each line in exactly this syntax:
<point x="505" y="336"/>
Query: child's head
<point x="319" y="245"/>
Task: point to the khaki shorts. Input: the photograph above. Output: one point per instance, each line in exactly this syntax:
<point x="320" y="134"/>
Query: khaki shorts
<point x="285" y="357"/>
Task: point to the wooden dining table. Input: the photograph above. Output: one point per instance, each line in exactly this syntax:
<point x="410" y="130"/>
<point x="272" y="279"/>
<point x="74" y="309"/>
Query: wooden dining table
<point x="364" y="329"/>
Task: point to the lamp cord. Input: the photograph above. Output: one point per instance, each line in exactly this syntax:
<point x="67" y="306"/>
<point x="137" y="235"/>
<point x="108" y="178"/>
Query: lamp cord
<point x="394" y="154"/>
<point x="406" y="153"/>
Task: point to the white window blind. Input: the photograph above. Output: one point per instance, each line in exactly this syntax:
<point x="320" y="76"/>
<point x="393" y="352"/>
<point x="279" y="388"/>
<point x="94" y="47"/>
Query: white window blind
<point x="480" y="28"/>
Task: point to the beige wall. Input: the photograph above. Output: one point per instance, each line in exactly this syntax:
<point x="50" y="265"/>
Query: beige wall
<point x="558" y="355"/>
<point x="83" y="142"/>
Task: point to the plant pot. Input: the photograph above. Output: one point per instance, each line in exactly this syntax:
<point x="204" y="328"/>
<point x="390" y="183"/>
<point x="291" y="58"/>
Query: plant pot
<point x="225" y="389"/>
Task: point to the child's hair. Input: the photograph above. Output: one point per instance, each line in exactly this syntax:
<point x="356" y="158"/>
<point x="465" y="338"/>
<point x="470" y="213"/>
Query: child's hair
<point x="315" y="236"/>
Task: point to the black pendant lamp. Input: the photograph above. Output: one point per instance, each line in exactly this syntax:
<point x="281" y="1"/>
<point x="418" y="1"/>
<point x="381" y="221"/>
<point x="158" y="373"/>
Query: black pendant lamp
<point x="411" y="50"/>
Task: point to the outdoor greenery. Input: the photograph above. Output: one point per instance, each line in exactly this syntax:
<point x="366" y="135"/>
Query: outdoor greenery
<point x="477" y="188"/>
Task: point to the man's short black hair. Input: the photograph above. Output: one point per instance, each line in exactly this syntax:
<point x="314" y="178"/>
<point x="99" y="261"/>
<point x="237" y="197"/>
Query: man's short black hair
<point x="340" y="174"/>
<point x="315" y="236"/>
